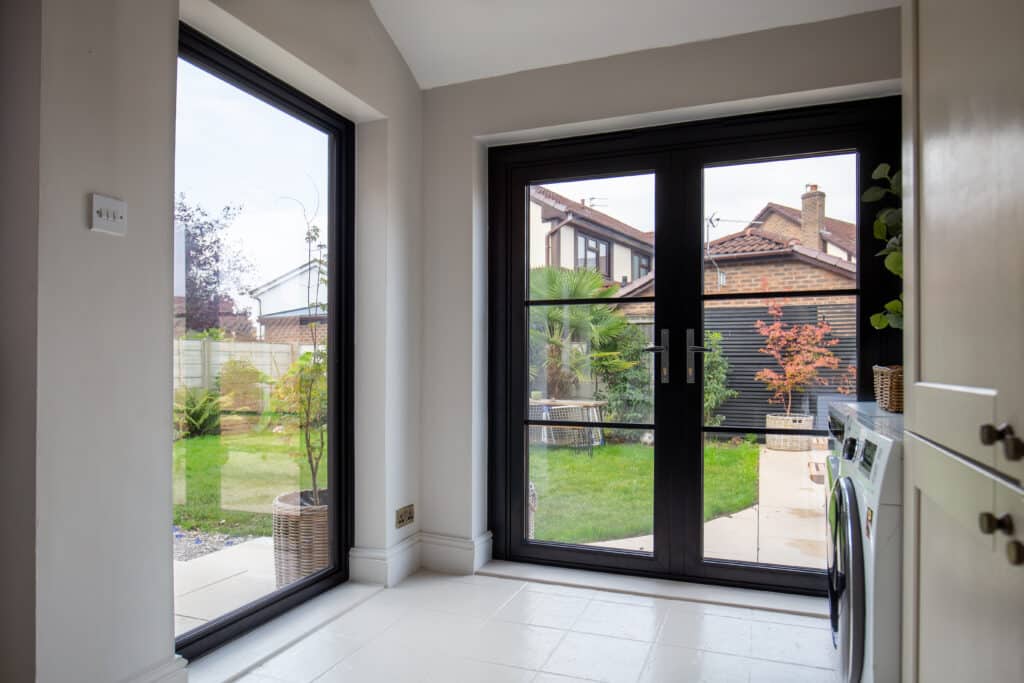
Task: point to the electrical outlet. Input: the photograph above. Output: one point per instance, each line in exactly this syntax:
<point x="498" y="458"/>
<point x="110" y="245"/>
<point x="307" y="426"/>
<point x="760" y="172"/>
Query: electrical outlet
<point x="404" y="516"/>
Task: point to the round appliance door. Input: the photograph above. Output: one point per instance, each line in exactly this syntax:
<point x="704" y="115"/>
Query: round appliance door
<point x="846" y="580"/>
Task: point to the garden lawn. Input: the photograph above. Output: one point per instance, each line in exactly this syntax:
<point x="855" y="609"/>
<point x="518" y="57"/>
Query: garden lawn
<point x="584" y="499"/>
<point x="227" y="483"/>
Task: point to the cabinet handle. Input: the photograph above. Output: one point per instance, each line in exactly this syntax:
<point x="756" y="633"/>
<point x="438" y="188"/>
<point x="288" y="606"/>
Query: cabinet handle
<point x="1013" y="447"/>
<point x="989" y="523"/>
<point x="1015" y="552"/>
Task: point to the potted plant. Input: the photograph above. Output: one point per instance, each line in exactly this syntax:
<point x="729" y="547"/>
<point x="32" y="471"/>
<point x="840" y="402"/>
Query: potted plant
<point x="801" y="352"/>
<point x="300" y="518"/>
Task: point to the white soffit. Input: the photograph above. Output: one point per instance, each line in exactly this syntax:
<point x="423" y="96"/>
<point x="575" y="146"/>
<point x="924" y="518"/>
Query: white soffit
<point x="451" y="41"/>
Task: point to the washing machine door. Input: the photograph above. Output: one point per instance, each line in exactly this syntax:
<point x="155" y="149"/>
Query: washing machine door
<point x="846" y="580"/>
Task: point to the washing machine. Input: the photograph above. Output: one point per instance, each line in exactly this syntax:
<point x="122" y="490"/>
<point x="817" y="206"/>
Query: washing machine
<point x="865" y="543"/>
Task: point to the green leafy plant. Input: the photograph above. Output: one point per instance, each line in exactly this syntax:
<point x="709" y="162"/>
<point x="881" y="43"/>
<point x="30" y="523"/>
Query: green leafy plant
<point x="624" y="378"/>
<point x="197" y="412"/>
<point x="565" y="340"/>
<point x="888" y="227"/>
<point x="716" y="373"/>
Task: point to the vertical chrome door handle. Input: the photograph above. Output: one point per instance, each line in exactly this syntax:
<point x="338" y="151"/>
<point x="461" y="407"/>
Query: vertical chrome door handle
<point x="691" y="361"/>
<point x="662" y="350"/>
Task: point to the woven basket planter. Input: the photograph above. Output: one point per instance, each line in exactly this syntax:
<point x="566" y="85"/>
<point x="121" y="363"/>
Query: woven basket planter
<point x="302" y="544"/>
<point x="889" y="387"/>
<point x="785" y="442"/>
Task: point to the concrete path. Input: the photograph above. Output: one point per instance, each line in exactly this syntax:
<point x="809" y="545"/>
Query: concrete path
<point x="215" y="584"/>
<point x="786" y="527"/>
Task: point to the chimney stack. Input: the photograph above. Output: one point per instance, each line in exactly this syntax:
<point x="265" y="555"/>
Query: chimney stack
<point x="812" y="218"/>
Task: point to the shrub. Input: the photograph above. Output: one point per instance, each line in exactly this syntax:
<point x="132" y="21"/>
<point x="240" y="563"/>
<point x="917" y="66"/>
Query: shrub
<point x="241" y="385"/>
<point x="197" y="412"/>
<point x="716" y="374"/>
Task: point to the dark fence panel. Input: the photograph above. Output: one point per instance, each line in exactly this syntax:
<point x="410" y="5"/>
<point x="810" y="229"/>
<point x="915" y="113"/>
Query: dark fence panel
<point x="741" y="344"/>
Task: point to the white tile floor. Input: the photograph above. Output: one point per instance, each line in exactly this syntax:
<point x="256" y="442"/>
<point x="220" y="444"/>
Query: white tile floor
<point x="451" y="629"/>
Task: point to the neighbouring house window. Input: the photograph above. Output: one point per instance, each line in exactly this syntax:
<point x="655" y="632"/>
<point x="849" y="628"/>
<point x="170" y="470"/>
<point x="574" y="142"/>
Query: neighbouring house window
<point x="592" y="253"/>
<point x="641" y="265"/>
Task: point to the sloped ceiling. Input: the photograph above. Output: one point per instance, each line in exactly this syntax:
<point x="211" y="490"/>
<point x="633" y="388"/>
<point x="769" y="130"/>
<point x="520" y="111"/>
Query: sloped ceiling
<point x="451" y="41"/>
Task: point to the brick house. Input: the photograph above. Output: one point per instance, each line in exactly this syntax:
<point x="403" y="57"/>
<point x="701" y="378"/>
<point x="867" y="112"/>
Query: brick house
<point x="282" y="306"/>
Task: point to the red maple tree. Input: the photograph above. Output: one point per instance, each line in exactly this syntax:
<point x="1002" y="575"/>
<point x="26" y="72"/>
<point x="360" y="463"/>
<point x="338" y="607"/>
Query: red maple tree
<point x="801" y="352"/>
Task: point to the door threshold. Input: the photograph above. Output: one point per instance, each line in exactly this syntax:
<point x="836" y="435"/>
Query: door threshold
<point x="659" y="588"/>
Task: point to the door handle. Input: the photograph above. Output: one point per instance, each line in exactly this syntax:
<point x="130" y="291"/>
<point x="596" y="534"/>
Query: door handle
<point x="691" y="360"/>
<point x="662" y="350"/>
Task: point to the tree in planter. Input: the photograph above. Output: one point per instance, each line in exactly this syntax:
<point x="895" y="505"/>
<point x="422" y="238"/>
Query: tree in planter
<point x="801" y="352"/>
<point x="302" y="391"/>
<point x="716" y="373"/>
<point x="567" y="342"/>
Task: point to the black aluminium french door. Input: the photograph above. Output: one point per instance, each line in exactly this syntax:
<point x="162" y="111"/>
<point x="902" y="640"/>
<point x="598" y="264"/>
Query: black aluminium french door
<point x="650" y="291"/>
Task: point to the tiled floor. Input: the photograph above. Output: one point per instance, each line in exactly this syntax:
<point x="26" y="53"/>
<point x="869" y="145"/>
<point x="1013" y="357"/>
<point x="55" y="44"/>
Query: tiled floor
<point x="440" y="628"/>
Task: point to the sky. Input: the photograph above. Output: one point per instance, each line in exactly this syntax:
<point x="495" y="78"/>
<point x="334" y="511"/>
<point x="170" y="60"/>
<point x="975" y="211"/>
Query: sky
<point x="234" y="149"/>
<point x="733" y="193"/>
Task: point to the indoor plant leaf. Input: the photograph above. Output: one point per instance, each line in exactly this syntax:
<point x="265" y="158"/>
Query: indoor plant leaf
<point x="881" y="171"/>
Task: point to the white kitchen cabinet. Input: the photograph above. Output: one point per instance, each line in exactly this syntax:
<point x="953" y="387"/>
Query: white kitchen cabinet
<point x="964" y="614"/>
<point x="963" y="165"/>
<point x="964" y="214"/>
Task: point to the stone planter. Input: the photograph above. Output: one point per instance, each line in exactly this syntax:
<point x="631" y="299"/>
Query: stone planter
<point x="784" y="442"/>
<point x="302" y="545"/>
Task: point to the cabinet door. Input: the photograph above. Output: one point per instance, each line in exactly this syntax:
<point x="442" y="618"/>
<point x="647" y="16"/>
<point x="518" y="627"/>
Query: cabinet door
<point x="1008" y="587"/>
<point x="964" y="217"/>
<point x="949" y="633"/>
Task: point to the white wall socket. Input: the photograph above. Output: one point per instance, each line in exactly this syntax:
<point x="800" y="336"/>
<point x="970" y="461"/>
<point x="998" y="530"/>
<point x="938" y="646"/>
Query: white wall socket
<point x="109" y="215"/>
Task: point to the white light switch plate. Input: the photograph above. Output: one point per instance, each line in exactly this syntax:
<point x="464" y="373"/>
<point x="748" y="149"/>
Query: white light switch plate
<point x="109" y="215"/>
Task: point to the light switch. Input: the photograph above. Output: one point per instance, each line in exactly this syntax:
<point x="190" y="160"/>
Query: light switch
<point x="109" y="215"/>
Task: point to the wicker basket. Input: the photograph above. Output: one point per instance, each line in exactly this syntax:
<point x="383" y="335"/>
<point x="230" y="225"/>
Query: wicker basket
<point x="302" y="544"/>
<point x="889" y="387"/>
<point x="785" y="442"/>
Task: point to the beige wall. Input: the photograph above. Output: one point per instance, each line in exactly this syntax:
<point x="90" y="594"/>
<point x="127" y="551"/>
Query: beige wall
<point x="20" y="53"/>
<point x="781" y="67"/>
<point x="103" y="507"/>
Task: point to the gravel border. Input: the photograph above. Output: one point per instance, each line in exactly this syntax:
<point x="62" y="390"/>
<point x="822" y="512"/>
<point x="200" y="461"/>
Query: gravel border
<point x="188" y="545"/>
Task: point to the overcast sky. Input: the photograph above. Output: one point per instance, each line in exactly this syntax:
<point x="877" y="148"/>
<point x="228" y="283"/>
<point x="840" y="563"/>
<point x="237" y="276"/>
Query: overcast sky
<point x="233" y="149"/>
<point x="734" y="193"/>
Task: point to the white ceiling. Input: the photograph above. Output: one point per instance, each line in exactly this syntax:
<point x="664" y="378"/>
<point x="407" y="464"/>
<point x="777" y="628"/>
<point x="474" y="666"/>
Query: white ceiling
<point x="450" y="41"/>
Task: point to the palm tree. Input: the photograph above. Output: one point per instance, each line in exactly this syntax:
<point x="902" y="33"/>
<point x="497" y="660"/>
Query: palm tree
<point x="566" y="339"/>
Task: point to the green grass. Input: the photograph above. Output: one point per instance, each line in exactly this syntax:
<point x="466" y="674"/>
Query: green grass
<point x="228" y="483"/>
<point x="584" y="499"/>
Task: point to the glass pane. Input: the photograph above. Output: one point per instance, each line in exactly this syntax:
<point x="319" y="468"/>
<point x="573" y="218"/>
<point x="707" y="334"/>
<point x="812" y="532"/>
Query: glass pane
<point x="764" y="499"/>
<point x="591" y="486"/>
<point x="777" y="363"/>
<point x="587" y="362"/>
<point x="597" y="224"/>
<point x="250" y="351"/>
<point x="778" y="226"/>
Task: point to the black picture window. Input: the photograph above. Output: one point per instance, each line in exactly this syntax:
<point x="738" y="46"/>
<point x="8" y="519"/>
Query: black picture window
<point x="641" y="265"/>
<point x="262" y="380"/>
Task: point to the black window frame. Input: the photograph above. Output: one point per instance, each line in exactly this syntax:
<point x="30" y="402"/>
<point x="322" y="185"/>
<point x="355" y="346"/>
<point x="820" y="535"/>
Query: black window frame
<point x="871" y="127"/>
<point x="205" y="53"/>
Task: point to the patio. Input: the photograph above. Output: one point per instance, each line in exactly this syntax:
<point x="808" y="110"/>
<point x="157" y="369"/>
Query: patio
<point x="213" y="585"/>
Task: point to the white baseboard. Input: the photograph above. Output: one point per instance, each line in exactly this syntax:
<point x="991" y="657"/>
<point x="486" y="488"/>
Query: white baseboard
<point x="385" y="566"/>
<point x="437" y="552"/>
<point x="171" y="670"/>
<point x="455" y="554"/>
